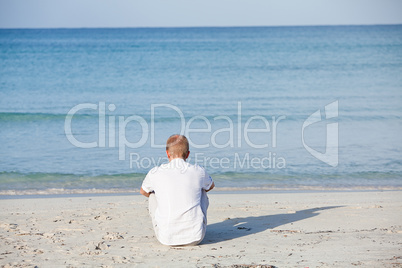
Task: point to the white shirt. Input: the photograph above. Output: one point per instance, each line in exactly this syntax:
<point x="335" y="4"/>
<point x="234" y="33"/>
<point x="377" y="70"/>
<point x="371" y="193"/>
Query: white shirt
<point x="178" y="186"/>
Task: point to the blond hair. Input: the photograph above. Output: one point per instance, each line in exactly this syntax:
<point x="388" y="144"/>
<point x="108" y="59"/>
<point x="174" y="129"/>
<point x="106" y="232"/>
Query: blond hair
<point x="177" y="146"/>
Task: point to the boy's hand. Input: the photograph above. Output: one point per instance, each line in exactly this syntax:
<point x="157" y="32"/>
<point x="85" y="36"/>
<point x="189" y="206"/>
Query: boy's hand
<point x="144" y="193"/>
<point x="212" y="187"/>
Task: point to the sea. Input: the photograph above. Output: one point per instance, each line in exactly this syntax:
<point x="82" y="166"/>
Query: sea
<point x="264" y="108"/>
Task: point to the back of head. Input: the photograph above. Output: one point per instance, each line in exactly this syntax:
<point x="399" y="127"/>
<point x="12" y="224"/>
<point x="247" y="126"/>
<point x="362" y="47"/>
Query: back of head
<point x="177" y="146"/>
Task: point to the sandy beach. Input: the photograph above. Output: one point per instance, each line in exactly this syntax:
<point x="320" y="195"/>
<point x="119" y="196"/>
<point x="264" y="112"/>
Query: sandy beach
<point x="316" y="229"/>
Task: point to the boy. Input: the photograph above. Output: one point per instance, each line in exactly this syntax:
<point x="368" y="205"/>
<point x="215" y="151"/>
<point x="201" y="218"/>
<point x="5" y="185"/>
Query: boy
<point x="178" y="201"/>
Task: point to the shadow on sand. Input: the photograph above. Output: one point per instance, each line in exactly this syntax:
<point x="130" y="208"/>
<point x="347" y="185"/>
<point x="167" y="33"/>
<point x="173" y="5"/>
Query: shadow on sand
<point x="239" y="227"/>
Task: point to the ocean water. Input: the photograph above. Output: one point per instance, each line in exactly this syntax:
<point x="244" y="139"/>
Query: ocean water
<point x="89" y="110"/>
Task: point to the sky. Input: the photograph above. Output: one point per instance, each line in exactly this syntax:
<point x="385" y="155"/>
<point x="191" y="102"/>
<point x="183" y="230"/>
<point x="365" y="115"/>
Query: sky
<point x="195" y="13"/>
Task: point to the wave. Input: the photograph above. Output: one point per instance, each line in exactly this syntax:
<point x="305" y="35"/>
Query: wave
<point x="15" y="183"/>
<point x="29" y="117"/>
<point x="34" y="117"/>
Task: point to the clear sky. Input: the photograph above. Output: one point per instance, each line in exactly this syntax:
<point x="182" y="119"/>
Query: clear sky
<point x="187" y="13"/>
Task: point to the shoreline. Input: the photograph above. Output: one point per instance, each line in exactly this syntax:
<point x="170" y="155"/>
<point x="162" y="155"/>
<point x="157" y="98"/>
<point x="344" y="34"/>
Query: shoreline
<point x="16" y="194"/>
<point x="316" y="229"/>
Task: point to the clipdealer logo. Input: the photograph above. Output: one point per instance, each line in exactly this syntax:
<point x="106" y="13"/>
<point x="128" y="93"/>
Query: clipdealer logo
<point x="235" y="126"/>
<point x="330" y="156"/>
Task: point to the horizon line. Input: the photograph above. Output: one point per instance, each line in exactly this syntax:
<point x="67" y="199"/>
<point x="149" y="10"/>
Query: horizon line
<point x="192" y="27"/>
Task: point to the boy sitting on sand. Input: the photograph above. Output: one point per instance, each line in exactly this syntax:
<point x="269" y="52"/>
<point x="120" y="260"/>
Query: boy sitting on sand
<point x="178" y="201"/>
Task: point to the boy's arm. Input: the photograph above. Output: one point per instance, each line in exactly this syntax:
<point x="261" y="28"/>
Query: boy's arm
<point x="144" y="193"/>
<point x="210" y="188"/>
<point x="147" y="184"/>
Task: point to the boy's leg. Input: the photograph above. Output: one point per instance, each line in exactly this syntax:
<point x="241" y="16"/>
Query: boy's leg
<point x="204" y="205"/>
<point x="152" y="205"/>
<point x="204" y="208"/>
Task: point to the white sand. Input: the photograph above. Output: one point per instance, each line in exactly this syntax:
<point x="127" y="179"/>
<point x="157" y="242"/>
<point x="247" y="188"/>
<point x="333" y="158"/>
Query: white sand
<point x="322" y="229"/>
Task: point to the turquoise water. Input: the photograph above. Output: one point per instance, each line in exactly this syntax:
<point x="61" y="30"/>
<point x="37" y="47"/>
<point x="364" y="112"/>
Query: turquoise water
<point x="168" y="80"/>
